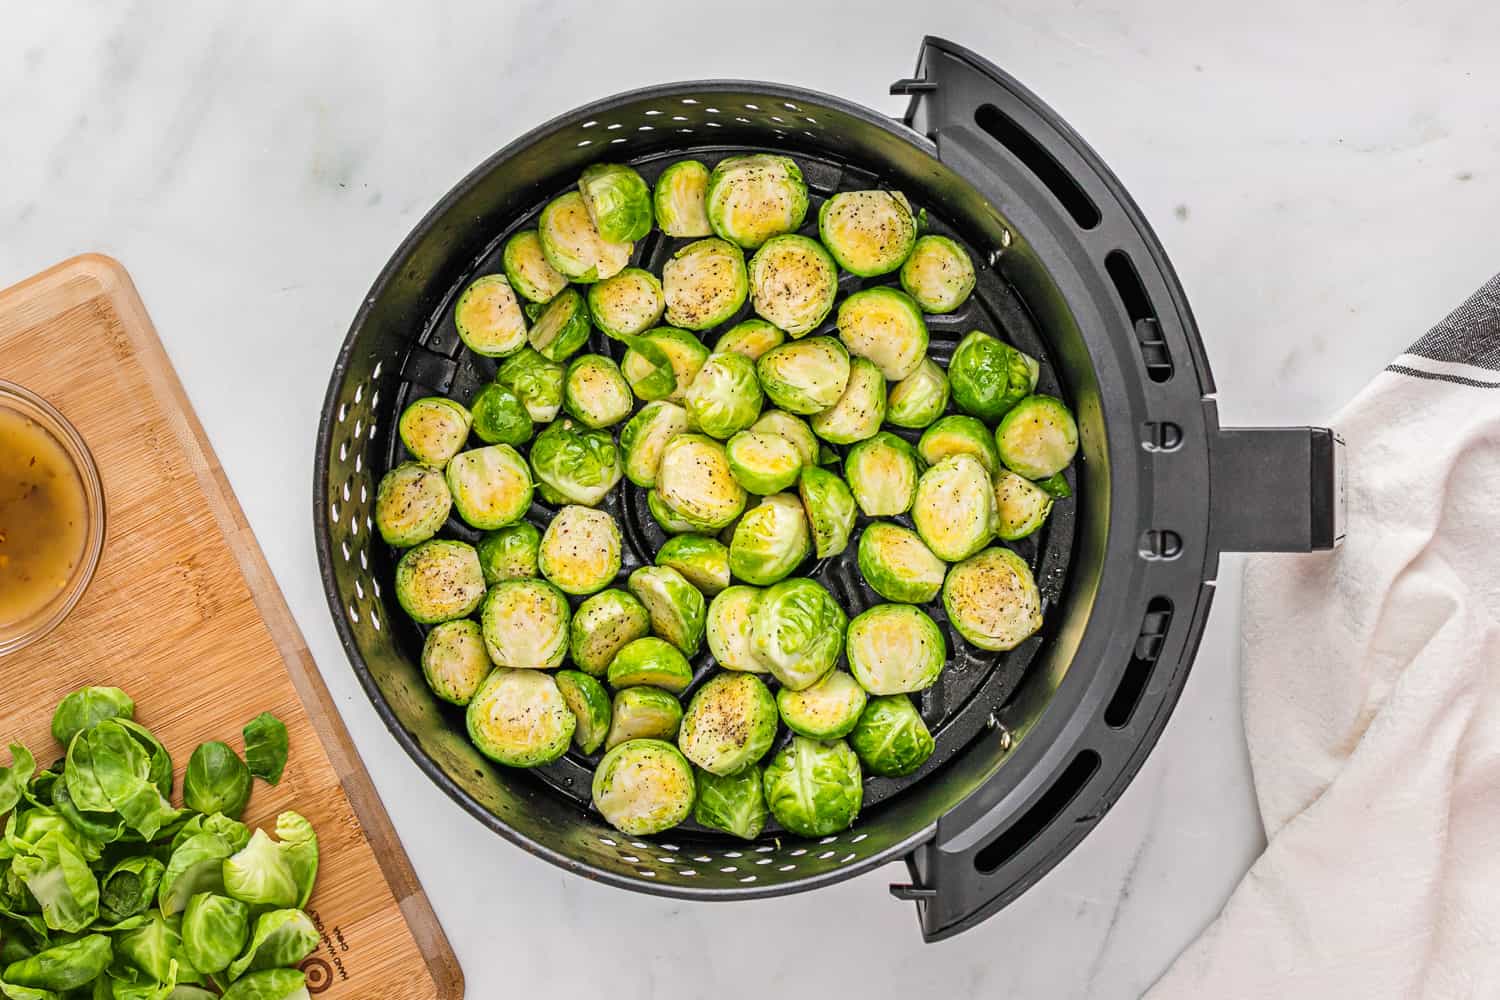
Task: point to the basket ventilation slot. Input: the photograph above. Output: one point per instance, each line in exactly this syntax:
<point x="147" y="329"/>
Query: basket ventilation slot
<point x="1148" y="336"/>
<point x="1148" y="647"/>
<point x="994" y="855"/>
<point x="1042" y="164"/>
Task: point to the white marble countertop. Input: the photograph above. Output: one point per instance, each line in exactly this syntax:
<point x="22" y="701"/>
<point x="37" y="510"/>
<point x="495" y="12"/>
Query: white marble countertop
<point x="1325" y="177"/>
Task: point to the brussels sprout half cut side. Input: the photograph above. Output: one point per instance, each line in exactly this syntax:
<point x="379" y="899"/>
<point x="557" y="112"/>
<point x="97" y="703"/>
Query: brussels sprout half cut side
<point x="830" y="510"/>
<point x="992" y="599"/>
<point x="525" y="625"/>
<point x="884" y="325"/>
<point x="676" y="607"/>
<point x="955" y="508"/>
<point x="770" y="541"/>
<point x="729" y="724"/>
<point x="434" y="429"/>
<point x="1021" y="506"/>
<point x="814" y="788"/>
<point x="920" y="398"/>
<point x="895" y="649"/>
<point x="536" y="381"/>
<point x="702" y="561"/>
<point x="891" y="739"/>
<point x="805" y="376"/>
<point x="704" y="284"/>
<point x="580" y="550"/>
<point x="489" y="317"/>
<point x="898" y="565"/>
<point x="938" y="275"/>
<point x="645" y="437"/>
<point x="595" y="393"/>
<point x="797" y="631"/>
<point x="868" y="232"/>
<point x="439" y="580"/>
<point x="755" y="197"/>
<point x="454" y="660"/>
<point x="562" y="327"/>
<point x="602" y="626"/>
<point x="751" y="337"/>
<point x="643" y="787"/>
<point x="735" y="804"/>
<point x="500" y="417"/>
<point x="957" y="434"/>
<point x="859" y="412"/>
<point x="794" y="429"/>
<point x="638" y="713"/>
<point x="793" y="282"/>
<point x="662" y="363"/>
<point x="650" y="662"/>
<point x="618" y="201"/>
<point x="725" y="396"/>
<point x="882" y="473"/>
<point x="590" y="705"/>
<point x="527" y="267"/>
<point x="695" y="481"/>
<point x="988" y="376"/>
<point x="491" y="486"/>
<point x="629" y="303"/>
<point x="763" y="462"/>
<point x="519" y="719"/>
<point x="729" y="629"/>
<point x="574" y="247"/>
<point x="827" y="710"/>
<point x="411" y="503"/>
<point x="681" y="200"/>
<point x="509" y="553"/>
<point x="1038" y="437"/>
<point x="578" y="465"/>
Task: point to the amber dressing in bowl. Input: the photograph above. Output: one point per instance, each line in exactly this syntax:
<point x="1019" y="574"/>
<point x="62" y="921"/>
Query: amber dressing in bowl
<point x="43" y="517"/>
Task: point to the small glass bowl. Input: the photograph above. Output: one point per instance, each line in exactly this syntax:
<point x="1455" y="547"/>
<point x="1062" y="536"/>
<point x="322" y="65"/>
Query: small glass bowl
<point x="22" y="633"/>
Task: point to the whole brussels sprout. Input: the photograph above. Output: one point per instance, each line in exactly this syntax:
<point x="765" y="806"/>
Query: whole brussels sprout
<point x="794" y="429"/>
<point x="434" y="429"/>
<point x="527" y="268"/>
<point x="580" y="551"/>
<point x="562" y="327"/>
<point x="650" y="662"/>
<point x="662" y="363"/>
<point x="827" y="710"/>
<point x="891" y="739"/>
<point x="939" y="274"/>
<point x="752" y="198"/>
<point x="629" y="303"/>
<point x="704" y="284"/>
<point x="1038" y="437"/>
<point x="882" y="473"/>
<point x="489" y="317"/>
<point x="491" y="486"/>
<point x="898" y="565"/>
<point x="725" y="396"/>
<point x="643" y="713"/>
<point x="955" y="508"/>
<point x="438" y="581"/>
<point x="595" y="393"/>
<point x="411" y="503"/>
<point x="590" y="705"/>
<point x="830" y="511"/>
<point x="729" y="724"/>
<point x="770" y="541"/>
<point x="602" y="626"/>
<point x="992" y="599"/>
<point x="519" y="718"/>
<point x="918" y="399"/>
<point x="805" y="376"/>
<point x="695" y="481"/>
<point x="763" y="462"/>
<point x="509" y="553"/>
<point x="957" y="434"/>
<point x="729" y="631"/>
<point x="582" y="466"/>
<point x="814" y="788"/>
<point x="703" y="561"/>
<point x="536" y="381"/>
<point x="1021" y="506"/>
<point x="885" y="326"/>
<point x="793" y="282"/>
<point x="681" y="200"/>
<point x="735" y="804"/>
<point x="86" y="708"/>
<point x="645" y="436"/>
<point x="454" y="661"/>
<point x="895" y="649"/>
<point x="859" y="411"/>
<point x="676" y="607"/>
<point x="618" y="201"/>
<point x="868" y="232"/>
<point x="500" y="417"/>
<point x="751" y="337"/>
<point x="574" y="246"/>
<point x="643" y="787"/>
<point x="797" y="631"/>
<point x="525" y="624"/>
<point x="988" y="376"/>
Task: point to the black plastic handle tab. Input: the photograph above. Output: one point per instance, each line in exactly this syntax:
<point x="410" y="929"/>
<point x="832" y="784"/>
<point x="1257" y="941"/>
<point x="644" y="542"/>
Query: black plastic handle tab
<point x="1277" y="489"/>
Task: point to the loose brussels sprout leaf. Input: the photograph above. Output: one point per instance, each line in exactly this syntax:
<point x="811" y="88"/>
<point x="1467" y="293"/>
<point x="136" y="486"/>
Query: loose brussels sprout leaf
<point x="217" y="781"/>
<point x="159" y="765"/>
<point x="130" y="888"/>
<point x="509" y="553"/>
<point x="882" y="474"/>
<point x="957" y="434"/>
<point x="886" y="326"/>
<point x="618" y="201"/>
<point x="602" y="626"/>
<point x="519" y="718"/>
<point x="574" y="246"/>
<point x="433" y="429"/>
<point x="527" y="268"/>
<point x="499" y="416"/>
<point x="868" y="232"/>
<point x="676" y="607"/>
<point x="662" y="363"/>
<point x="154" y="947"/>
<point x="752" y="198"/>
<point x="411" y="503"/>
<point x="57" y="969"/>
<point x="988" y="376"/>
<point x="729" y="724"/>
<point x="830" y="511"/>
<point x="196" y="865"/>
<point x="725" y="397"/>
<point x="955" y="508"/>
<point x="438" y="581"/>
<point x="299" y="846"/>
<point x="825" y="711"/>
<point x="489" y="317"/>
<point x="283" y="938"/>
<point x="580" y="551"/>
<point x="891" y="739"/>
<point x="270" y="984"/>
<point x="860" y="410"/>
<point x="670" y="521"/>
<point x="13" y="779"/>
<point x="581" y="466"/>
<point x="770" y="541"/>
<point x="702" y="561"/>
<point x="898" y="565"/>
<point x="491" y="486"/>
<point x="895" y="649"/>
<point x="992" y="599"/>
<point x="763" y="462"/>
<point x="562" y="327"/>
<point x="794" y="429"/>
<point x="214" y="931"/>
<point x="939" y="274"/>
<point x="629" y="303"/>
<point x="259" y="874"/>
<point x="643" y="713"/>
<point x="81" y="710"/>
<point x="643" y="787"/>
<point x="454" y="660"/>
<point x="525" y="624"/>
<point x="918" y="399"/>
<point x="1021" y="506"/>
<point x="793" y="283"/>
<point x="805" y="376"/>
<point x="797" y="631"/>
<point x="58" y="878"/>
<point x="646" y="435"/>
<point x="735" y="803"/>
<point x="1038" y="437"/>
<point x="704" y="284"/>
<point x="589" y="703"/>
<point x="751" y="337"/>
<point x="537" y="381"/>
<point x="729" y="631"/>
<point x="1056" y="486"/>
<point x="814" y="788"/>
<point x="695" y="481"/>
<point x="119" y="766"/>
<point x="680" y="196"/>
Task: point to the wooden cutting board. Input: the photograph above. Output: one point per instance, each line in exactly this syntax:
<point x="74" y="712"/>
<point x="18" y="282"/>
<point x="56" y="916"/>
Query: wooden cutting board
<point x="184" y="615"/>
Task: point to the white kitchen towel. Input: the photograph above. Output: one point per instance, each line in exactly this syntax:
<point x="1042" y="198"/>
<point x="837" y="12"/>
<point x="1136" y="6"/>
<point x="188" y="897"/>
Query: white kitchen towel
<point x="1372" y="709"/>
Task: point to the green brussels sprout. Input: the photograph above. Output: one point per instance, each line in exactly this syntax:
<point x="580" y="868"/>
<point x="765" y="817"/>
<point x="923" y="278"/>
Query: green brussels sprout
<point x="1038" y="437"/>
<point x="898" y="565"/>
<point x="434" y="429"/>
<point x="86" y="708"/>
<point x="704" y="284"/>
<point x="702" y="561"/>
<point x="216" y="781"/>
<point x="525" y="624"/>
<point x="57" y="969"/>
<point x="797" y="631"/>
<point x="988" y="376"/>
<point x="729" y="724"/>
<point x="580" y="550"/>
<point x="489" y="317"/>
<point x="629" y="303"/>
<point x="572" y="244"/>
<point x="882" y="473"/>
<point x="411" y="503"/>
<point x="729" y="632"/>
<point x="662" y="363"/>
<point x="499" y="416"/>
<point x="859" y="411"/>
<point x="1056" y="486"/>
<point x="671" y="522"/>
<point x="130" y="887"/>
<point x="651" y="662"/>
<point x="763" y="462"/>
<point x="589" y="703"/>
<point x="643" y="713"/>
<point x="695" y="481"/>
<point x="868" y="232"/>
<point x="734" y="803"/>
<point x="438" y="581"/>
<point x="602" y="626"/>
<point x="939" y="274"/>
<point x="891" y="739"/>
<point x="509" y="553"/>
<point x="260" y="875"/>
<point x="884" y="325"/>
<point x="491" y="486"/>
<point x="770" y="541"/>
<point x="680" y="196"/>
<point x="618" y="201"/>
<point x="920" y="398"/>
<point x="814" y="788"/>
<point x="646" y="435"/>
<point x="299" y="846"/>
<point x="519" y="718"/>
<point x="1021" y="506"/>
<point x="536" y="381"/>
<point x="195" y="865"/>
<point x="214" y="931"/>
<point x="794" y="429"/>
<point x="992" y="600"/>
<point x="268" y="984"/>
<point x="676" y="607"/>
<point x="825" y="711"/>
<point x="957" y="434"/>
<point x="895" y="649"/>
<point x="454" y="661"/>
<point x="580" y="466"/>
<point x="643" y="786"/>
<point x="793" y="283"/>
<point x="562" y="327"/>
<point x="725" y="396"/>
<point x="282" y="939"/>
<point x="955" y="508"/>
<point x="751" y="337"/>
<point x="752" y="198"/>
<point x="595" y="393"/>
<point x="528" y="270"/>
<point x="830" y="511"/>
<point x="805" y="376"/>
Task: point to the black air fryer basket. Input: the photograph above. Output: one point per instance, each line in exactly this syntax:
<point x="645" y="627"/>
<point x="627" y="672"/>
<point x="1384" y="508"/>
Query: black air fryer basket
<point x="1033" y="745"/>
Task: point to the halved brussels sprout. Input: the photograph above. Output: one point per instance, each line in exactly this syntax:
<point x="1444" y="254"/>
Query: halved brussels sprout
<point x="805" y="376"/>
<point x="519" y="719"/>
<point x="988" y="376"/>
<point x="491" y="486"/>
<point x="735" y="804"/>
<point x="830" y="510"/>
<point x="454" y="660"/>
<point x="793" y="283"/>
<point x="868" y="232"/>
<point x="629" y="303"/>
<point x="537" y="381"/>
<point x="895" y="649"/>
<point x="662" y="363"/>
<point x="794" y="429"/>
<point x="763" y="462"/>
<point x="499" y="416"/>
<point x="992" y="599"/>
<point x="814" y="788"/>
<point x="602" y="626"/>
<point x="939" y="274"/>
<point x="882" y="474"/>
<point x="797" y="631"/>
<point x="562" y="327"/>
<point x="918" y="399"/>
<point x="643" y="713"/>
<point x="527" y="268"/>
<point x="489" y="317"/>
<point x="574" y="246"/>
<point x="509" y="553"/>
<point x="434" y="429"/>
<point x="680" y="196"/>
<point x="1038" y="437"/>
<point x="411" y="503"/>
<point x="751" y="337"/>
<point x="752" y="198"/>
<point x="438" y="581"/>
<point x="898" y="565"/>
<point x="729" y="724"/>
<point x="595" y="392"/>
<point x="1020" y="506"/>
<point x="725" y="396"/>
<point x="770" y="541"/>
<point x="618" y="201"/>
<point x="729" y="634"/>
<point x="580" y="552"/>
<point x="525" y="624"/>
<point x="891" y="739"/>
<point x="694" y="480"/>
<point x="702" y="561"/>
<point x="670" y="521"/>
<point x="676" y="607"/>
<point x="859" y="411"/>
<point x="643" y="787"/>
<point x="957" y="434"/>
<point x="825" y="711"/>
<point x="704" y="283"/>
<point x="581" y="466"/>
<point x="884" y="325"/>
<point x="650" y="662"/>
<point x="955" y="508"/>
<point x="646" y="435"/>
<point x="589" y="703"/>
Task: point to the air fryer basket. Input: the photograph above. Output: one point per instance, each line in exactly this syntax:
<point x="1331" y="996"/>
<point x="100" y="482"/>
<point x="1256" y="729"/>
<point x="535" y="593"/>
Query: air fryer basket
<point x="1033" y="746"/>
